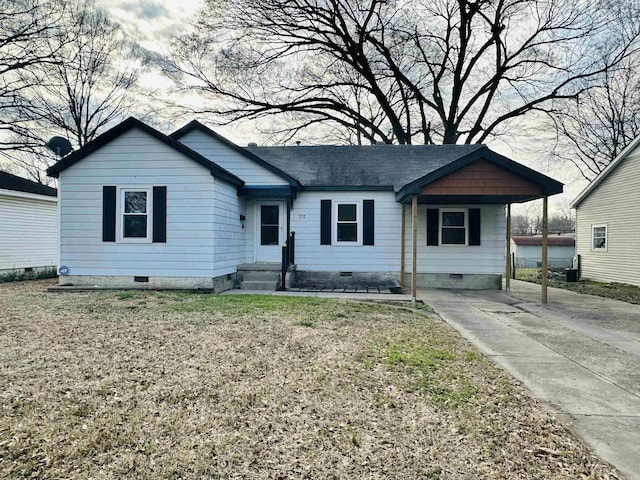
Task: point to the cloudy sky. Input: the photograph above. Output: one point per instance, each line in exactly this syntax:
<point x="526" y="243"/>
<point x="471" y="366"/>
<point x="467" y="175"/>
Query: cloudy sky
<point x="155" y="22"/>
<point x="152" y="22"/>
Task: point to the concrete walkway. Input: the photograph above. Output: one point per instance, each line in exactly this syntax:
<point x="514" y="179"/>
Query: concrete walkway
<point x="579" y="353"/>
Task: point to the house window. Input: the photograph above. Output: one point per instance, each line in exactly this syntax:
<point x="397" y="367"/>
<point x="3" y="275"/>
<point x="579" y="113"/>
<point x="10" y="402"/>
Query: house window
<point x="599" y="237"/>
<point x="135" y="214"/>
<point x="454" y="227"/>
<point x="347" y="223"/>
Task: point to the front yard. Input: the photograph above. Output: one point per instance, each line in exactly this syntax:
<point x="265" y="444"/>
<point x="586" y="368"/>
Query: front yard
<point x="169" y="385"/>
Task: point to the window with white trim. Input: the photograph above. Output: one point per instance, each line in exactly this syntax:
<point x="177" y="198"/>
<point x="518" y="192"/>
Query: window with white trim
<point x="347" y="226"/>
<point x="135" y="214"/>
<point x="454" y="227"/>
<point x="599" y="237"/>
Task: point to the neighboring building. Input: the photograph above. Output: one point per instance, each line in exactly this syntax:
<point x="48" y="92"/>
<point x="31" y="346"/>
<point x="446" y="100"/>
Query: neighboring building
<point x="195" y="210"/>
<point x="528" y="250"/>
<point x="608" y="221"/>
<point x="28" y="225"/>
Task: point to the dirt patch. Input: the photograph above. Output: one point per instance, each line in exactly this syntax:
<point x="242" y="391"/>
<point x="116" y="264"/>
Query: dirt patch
<point x="166" y="385"/>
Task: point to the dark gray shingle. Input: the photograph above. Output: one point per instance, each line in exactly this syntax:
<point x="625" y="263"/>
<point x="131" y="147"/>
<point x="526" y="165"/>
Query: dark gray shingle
<point x="361" y="166"/>
<point x="19" y="184"/>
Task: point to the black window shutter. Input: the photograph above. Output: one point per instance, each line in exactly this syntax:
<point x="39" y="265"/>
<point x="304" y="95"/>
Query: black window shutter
<point x="325" y="222"/>
<point x="433" y="225"/>
<point x="474" y="226"/>
<point x="159" y="214"/>
<point x="108" y="213"/>
<point x="367" y="222"/>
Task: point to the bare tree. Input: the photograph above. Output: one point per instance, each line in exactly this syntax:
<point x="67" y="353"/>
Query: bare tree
<point x="90" y="87"/>
<point x="29" y="37"/>
<point x="520" y="225"/>
<point x="596" y="127"/>
<point x="431" y="71"/>
<point x="87" y="87"/>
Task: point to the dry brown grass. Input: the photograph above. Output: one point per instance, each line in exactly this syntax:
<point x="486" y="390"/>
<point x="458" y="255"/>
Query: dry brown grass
<point x="164" y="385"/>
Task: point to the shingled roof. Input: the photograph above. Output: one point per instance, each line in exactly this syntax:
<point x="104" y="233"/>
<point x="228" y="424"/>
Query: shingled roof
<point x="19" y="184"/>
<point x="379" y="166"/>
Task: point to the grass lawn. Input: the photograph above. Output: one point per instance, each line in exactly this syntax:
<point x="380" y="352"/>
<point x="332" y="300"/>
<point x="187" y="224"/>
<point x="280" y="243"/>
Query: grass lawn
<point x="617" y="291"/>
<point x="169" y="385"/>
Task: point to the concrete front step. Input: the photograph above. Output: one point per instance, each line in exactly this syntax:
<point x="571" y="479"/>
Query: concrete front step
<point x="259" y="267"/>
<point x="262" y="276"/>
<point x="259" y="285"/>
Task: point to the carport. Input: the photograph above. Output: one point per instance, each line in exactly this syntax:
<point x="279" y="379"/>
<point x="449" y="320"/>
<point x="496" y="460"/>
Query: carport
<point x="480" y="178"/>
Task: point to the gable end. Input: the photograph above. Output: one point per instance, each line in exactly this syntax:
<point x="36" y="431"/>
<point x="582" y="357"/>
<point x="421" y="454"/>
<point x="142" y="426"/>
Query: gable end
<point x="195" y="125"/>
<point x="128" y="124"/>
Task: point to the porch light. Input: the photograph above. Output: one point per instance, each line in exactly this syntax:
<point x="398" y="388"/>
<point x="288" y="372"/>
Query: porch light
<point x="242" y="220"/>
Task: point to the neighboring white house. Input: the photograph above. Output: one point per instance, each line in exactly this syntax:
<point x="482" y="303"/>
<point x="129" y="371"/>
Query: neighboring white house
<point x="608" y="221"/>
<point x="140" y="208"/>
<point x="28" y="225"/>
<point x="527" y="250"/>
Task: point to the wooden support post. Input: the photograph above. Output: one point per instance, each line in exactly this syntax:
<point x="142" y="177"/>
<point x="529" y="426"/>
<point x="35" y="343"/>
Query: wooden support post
<point x="403" y="246"/>
<point x="507" y="273"/>
<point x="545" y="247"/>
<point x="414" y="245"/>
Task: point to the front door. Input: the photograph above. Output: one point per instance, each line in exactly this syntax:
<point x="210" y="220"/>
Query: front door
<point x="270" y="231"/>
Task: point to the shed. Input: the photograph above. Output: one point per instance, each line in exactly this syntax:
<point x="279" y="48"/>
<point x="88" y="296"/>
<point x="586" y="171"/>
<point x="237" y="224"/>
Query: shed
<point x="528" y="250"/>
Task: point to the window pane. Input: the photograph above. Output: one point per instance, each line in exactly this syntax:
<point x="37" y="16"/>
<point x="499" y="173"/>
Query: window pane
<point x="269" y="235"/>
<point x="270" y="215"/>
<point x="347" y="232"/>
<point x="135" y="226"/>
<point x="453" y="219"/>
<point x="135" y="202"/>
<point x="453" y="236"/>
<point x="600" y="237"/>
<point x="347" y="213"/>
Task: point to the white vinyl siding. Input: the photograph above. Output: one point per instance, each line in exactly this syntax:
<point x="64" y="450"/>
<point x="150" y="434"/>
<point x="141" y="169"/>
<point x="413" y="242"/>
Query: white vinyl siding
<point x="616" y="203"/>
<point x="249" y="171"/>
<point x="250" y="230"/>
<point x="227" y="229"/>
<point x="28" y="233"/>
<point x="137" y="159"/>
<point x="486" y="258"/>
<point x="384" y="256"/>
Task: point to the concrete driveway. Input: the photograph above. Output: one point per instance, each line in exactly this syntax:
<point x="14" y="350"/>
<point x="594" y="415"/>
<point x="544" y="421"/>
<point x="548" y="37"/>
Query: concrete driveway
<point x="579" y="353"/>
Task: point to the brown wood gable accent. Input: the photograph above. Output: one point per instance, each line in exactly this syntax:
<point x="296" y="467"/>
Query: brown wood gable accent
<point x="482" y="177"/>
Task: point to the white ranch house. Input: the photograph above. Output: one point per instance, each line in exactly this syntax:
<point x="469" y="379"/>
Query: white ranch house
<point x="28" y="225"/>
<point x="608" y="221"/>
<point x="194" y="210"/>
